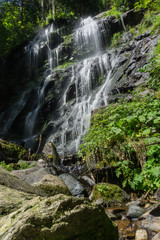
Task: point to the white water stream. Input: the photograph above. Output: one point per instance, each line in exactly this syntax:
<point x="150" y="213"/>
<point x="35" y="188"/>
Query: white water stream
<point x="91" y="77"/>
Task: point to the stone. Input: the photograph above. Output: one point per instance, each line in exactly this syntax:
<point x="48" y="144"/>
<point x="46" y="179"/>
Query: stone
<point x="151" y="219"/>
<point x="151" y="224"/>
<point x="12" y="199"/>
<point x="156" y="237"/>
<point x="32" y="175"/>
<point x="157" y="194"/>
<point x="52" y="185"/>
<point x="141" y="234"/>
<point x="135" y="211"/>
<point x="41" y="163"/>
<point x="111" y="194"/>
<point x="74" y="186"/>
<point x="8" y="180"/>
<point x="134" y="203"/>
<point x="51" y="155"/>
<point x="60" y="218"/>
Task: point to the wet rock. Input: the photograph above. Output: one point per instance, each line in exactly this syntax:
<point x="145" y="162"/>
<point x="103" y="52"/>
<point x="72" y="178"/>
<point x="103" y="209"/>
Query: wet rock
<point x="141" y="234"/>
<point x="144" y="35"/>
<point x="52" y="185"/>
<point x="135" y="211"/>
<point x="110" y="193"/>
<point x="156" y="237"/>
<point x="8" y="180"/>
<point x="74" y="186"/>
<point x="54" y="40"/>
<point x="60" y="218"/>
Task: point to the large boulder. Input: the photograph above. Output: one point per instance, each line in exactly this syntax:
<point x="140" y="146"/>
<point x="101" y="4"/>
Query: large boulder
<point x="32" y="175"/>
<point x="8" y="180"/>
<point x="60" y="218"/>
<point x="10" y="152"/>
<point x="12" y="199"/>
<point x="110" y="194"/>
<point x="52" y="185"/>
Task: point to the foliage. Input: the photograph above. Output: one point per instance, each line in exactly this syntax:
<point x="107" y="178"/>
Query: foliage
<point x="117" y="39"/>
<point x="9" y="167"/>
<point x="21" y="165"/>
<point x="148" y="4"/>
<point x="119" y="132"/>
<point x="16" y="26"/>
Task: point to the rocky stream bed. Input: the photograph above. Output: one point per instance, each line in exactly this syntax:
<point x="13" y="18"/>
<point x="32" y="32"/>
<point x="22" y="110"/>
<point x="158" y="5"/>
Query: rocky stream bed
<point x="58" y="199"/>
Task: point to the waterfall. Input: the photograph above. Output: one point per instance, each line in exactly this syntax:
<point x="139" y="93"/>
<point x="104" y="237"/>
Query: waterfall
<point x="32" y="51"/>
<point x="85" y="86"/>
<point x="91" y="78"/>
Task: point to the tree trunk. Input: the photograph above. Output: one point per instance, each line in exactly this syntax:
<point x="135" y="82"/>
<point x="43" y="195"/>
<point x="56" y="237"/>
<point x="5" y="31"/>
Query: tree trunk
<point x="53" y="7"/>
<point x="21" y="11"/>
<point x="43" y="13"/>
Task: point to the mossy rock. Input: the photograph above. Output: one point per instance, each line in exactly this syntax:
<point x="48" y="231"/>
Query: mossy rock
<point x="111" y="194"/>
<point x="58" y="218"/>
<point x="11" y="199"/>
<point x="11" y="152"/>
<point x="52" y="185"/>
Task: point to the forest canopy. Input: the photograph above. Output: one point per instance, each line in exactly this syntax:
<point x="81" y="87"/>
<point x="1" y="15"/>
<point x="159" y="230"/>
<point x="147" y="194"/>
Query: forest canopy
<point x="19" y="19"/>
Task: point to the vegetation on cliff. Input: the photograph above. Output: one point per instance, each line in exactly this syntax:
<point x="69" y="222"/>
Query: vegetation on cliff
<point x="126" y="134"/>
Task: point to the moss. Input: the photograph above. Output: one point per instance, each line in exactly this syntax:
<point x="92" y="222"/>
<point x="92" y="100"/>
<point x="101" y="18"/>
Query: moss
<point x="65" y="65"/>
<point x="67" y="40"/>
<point x="11" y="151"/>
<point x="110" y="193"/>
<point x="54" y="190"/>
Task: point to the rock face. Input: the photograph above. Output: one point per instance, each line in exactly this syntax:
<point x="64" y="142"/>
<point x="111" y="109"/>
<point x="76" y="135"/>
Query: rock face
<point x="70" y="77"/>
<point x="59" y="218"/>
<point x="109" y="193"/>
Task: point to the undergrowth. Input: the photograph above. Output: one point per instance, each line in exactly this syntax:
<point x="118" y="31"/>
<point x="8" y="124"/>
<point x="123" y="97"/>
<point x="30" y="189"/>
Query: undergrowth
<point x="126" y="135"/>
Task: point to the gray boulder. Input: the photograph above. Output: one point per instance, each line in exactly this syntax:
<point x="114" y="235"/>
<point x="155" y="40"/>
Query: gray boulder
<point x="135" y="211"/>
<point x="32" y="175"/>
<point x="74" y="186"/>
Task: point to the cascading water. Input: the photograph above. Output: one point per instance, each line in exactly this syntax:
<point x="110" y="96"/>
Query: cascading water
<point x="87" y="76"/>
<point x="84" y="89"/>
<point x="33" y="52"/>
